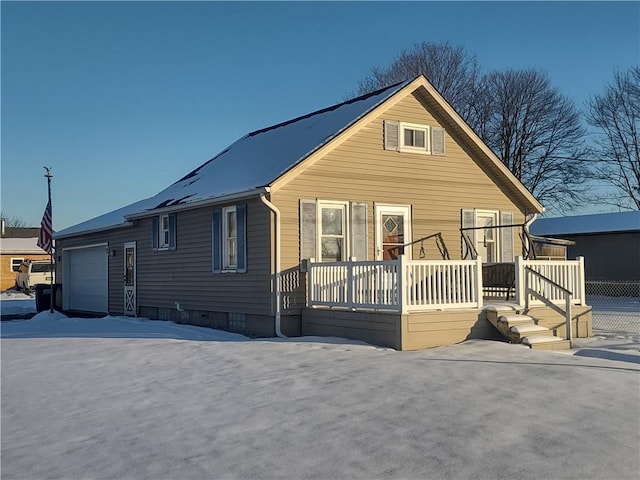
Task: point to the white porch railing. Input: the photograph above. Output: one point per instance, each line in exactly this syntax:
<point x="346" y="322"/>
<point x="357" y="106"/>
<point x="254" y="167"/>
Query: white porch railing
<point x="563" y="274"/>
<point x="396" y="285"/>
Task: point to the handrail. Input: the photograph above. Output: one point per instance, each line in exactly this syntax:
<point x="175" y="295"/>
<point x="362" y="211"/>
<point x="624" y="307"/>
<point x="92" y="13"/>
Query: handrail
<point x="442" y="246"/>
<point x="567" y="297"/>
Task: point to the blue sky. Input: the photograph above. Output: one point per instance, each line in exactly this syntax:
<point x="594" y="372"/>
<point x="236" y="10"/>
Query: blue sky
<point x="122" y="99"/>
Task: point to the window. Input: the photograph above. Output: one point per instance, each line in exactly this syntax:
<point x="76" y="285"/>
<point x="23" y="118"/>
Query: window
<point x="413" y="138"/>
<point x="163" y="232"/>
<point x="333" y="231"/>
<point x="488" y="233"/>
<point x="15" y="264"/>
<point x="229" y="239"/>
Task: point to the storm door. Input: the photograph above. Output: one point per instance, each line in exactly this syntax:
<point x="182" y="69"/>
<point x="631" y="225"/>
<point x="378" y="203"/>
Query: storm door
<point x="393" y="231"/>
<point x="130" y="278"/>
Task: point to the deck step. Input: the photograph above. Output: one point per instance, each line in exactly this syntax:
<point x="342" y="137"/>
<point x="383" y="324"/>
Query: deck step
<point x="516" y="319"/>
<point x="530" y="329"/>
<point x="546" y="342"/>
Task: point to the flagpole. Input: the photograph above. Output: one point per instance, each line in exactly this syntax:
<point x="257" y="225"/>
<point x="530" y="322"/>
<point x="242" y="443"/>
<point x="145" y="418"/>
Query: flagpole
<point x="48" y="175"/>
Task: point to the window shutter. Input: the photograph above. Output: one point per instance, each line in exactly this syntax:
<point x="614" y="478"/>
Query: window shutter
<point x="359" y="244"/>
<point x="241" y="219"/>
<point x="155" y="231"/>
<point x="437" y="141"/>
<point x="391" y="133"/>
<point x="506" y="237"/>
<point x="308" y="238"/>
<point x="172" y="231"/>
<point x="468" y="219"/>
<point x="217" y="241"/>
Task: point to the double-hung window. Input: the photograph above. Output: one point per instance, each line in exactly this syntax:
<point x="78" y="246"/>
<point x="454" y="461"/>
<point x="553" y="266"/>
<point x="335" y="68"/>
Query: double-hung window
<point x="229" y="239"/>
<point x="332" y="231"/>
<point x="163" y="233"/>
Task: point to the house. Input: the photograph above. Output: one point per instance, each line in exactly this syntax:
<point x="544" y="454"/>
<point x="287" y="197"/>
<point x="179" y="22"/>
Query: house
<point x="17" y="244"/>
<point x="392" y="176"/>
<point x="609" y="242"/>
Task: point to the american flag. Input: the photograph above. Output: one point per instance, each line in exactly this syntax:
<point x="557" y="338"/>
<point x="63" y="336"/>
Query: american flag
<point x="45" y="239"/>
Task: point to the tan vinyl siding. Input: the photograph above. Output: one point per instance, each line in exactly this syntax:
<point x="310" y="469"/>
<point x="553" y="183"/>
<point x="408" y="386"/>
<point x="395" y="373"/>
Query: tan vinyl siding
<point x="359" y="169"/>
<point x="185" y="274"/>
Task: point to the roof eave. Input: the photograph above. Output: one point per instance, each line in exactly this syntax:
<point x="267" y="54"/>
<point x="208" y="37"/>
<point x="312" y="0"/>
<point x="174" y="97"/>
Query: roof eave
<point x="198" y="204"/>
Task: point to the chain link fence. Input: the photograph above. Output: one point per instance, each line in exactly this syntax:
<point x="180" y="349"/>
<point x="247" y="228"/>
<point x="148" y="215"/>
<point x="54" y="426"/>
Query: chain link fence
<point x="616" y="305"/>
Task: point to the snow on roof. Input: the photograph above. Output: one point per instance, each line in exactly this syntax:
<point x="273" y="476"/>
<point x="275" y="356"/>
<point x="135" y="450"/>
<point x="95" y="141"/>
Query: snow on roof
<point x="598" y="223"/>
<point x="254" y="161"/>
<point x="20" y="245"/>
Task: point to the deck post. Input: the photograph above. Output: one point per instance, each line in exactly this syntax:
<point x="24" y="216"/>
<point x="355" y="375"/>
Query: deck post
<point x="310" y="282"/>
<point x="479" y="285"/>
<point x="581" y="279"/>
<point x="401" y="266"/>
<point x="520" y="285"/>
<point x="350" y="285"/>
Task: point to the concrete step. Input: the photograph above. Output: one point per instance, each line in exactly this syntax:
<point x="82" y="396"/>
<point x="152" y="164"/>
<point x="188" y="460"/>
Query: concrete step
<point x="516" y="319"/>
<point x="525" y="329"/>
<point x="546" y="342"/>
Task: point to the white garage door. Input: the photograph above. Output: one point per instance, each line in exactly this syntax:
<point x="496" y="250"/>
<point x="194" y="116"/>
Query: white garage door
<point x="85" y="279"/>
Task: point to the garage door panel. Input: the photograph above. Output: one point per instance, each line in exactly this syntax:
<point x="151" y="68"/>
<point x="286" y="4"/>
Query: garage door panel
<point x="86" y="279"/>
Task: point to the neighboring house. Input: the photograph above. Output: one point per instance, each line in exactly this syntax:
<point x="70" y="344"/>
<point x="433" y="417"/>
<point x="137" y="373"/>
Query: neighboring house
<point x="609" y="242"/>
<point x="391" y="172"/>
<point x="17" y="244"/>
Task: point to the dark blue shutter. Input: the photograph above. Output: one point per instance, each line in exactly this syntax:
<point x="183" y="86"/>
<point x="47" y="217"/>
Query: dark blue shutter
<point x="241" y="220"/>
<point x="154" y="233"/>
<point x="172" y="231"/>
<point x="217" y="241"/>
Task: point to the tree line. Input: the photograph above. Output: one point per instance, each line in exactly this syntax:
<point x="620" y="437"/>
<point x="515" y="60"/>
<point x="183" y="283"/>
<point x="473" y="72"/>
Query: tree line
<point x="537" y="132"/>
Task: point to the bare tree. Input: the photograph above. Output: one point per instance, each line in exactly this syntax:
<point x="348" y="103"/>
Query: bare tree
<point x="537" y="134"/>
<point x="451" y="70"/>
<point x="13" y="221"/>
<point x="616" y="115"/>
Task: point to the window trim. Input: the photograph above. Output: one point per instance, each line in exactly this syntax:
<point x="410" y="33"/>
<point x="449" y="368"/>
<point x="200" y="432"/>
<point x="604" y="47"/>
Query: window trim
<point x="164" y="232"/>
<point x="226" y="263"/>
<point x="346" y="227"/>
<point x="426" y="129"/>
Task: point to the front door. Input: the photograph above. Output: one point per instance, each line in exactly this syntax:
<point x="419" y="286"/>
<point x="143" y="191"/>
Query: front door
<point x="487" y="238"/>
<point x="393" y="231"/>
<point x="130" y="278"/>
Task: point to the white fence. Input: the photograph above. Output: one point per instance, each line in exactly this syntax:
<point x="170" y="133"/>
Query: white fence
<point x="396" y="285"/>
<point x="568" y="274"/>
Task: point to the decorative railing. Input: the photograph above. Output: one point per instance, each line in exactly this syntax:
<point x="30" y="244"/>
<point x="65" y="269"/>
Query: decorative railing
<point x="396" y="285"/>
<point x="567" y="274"/>
<point x="543" y="289"/>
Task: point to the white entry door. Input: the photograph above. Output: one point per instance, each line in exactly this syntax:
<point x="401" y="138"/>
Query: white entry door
<point x="393" y="231"/>
<point x="130" y="278"/>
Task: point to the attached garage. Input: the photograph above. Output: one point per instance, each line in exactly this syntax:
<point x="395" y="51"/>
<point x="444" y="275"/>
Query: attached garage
<point x="85" y="279"/>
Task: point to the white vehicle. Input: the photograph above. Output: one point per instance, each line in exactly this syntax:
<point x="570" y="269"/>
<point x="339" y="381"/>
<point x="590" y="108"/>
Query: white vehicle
<point x="32" y="273"/>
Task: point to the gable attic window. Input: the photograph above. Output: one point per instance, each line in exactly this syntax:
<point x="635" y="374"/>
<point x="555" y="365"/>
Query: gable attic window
<point x="229" y="236"/>
<point x="413" y="138"/>
<point x="163" y="235"/>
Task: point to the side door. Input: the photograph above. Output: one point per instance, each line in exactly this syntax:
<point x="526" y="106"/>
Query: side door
<point x="130" y="307"/>
<point x="393" y="231"/>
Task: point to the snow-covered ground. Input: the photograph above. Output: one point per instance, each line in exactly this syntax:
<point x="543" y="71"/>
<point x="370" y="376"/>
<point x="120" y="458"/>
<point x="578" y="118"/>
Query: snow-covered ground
<point x="133" y="398"/>
<point x="16" y="303"/>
